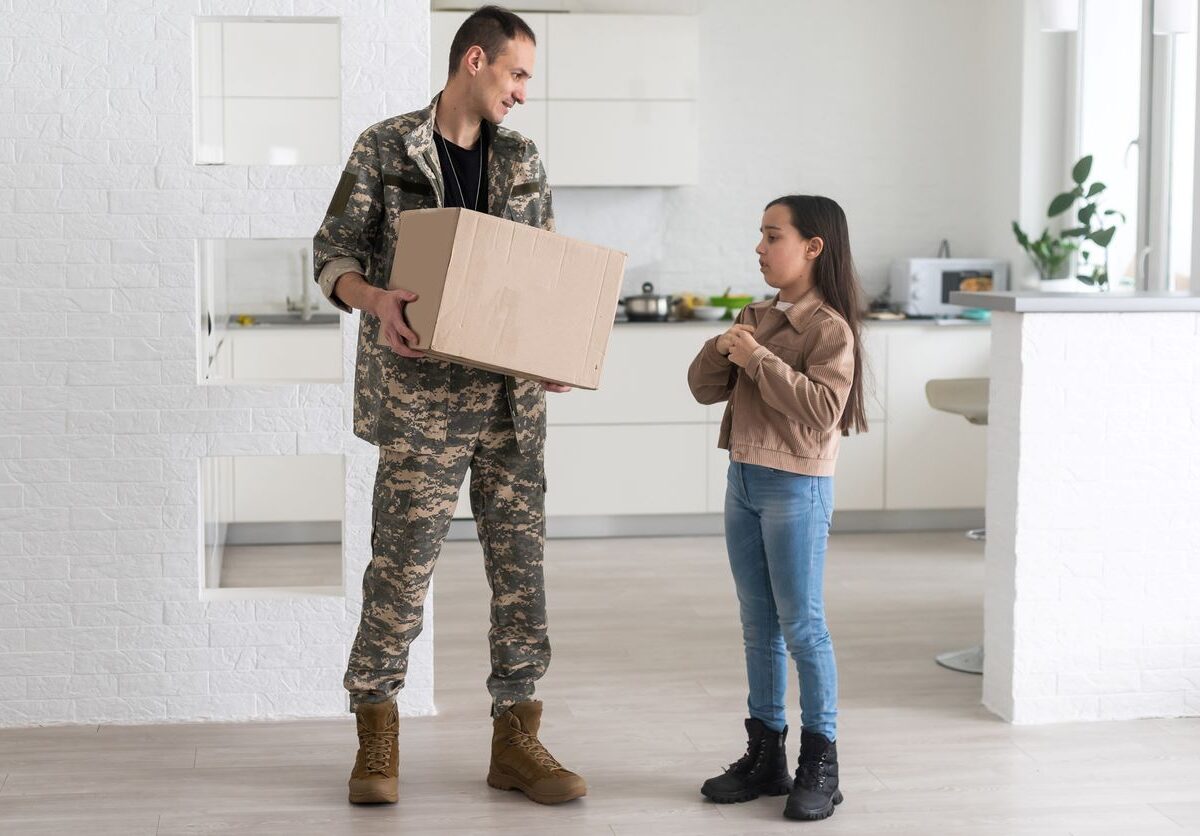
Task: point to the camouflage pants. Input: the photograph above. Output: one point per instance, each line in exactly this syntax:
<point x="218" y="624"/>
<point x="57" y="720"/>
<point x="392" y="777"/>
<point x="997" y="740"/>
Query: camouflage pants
<point x="416" y="491"/>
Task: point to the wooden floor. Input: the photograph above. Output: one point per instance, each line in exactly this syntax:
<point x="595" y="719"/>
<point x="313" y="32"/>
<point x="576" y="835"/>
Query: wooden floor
<point x="645" y="698"/>
<point x="297" y="564"/>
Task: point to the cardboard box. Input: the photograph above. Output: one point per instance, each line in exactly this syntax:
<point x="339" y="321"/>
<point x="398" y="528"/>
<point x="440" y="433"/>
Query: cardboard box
<point x="507" y="297"/>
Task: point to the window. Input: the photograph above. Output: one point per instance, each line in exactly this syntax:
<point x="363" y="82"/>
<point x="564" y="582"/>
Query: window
<point x="1181" y="105"/>
<point x="1137" y="118"/>
<point x="272" y="521"/>
<point x="268" y="91"/>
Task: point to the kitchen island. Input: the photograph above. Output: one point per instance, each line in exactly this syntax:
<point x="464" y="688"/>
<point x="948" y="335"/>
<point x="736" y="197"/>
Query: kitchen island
<point x="1093" y="529"/>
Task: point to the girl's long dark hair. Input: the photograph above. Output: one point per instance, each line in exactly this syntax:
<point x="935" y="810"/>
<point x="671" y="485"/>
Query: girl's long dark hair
<point x="834" y="275"/>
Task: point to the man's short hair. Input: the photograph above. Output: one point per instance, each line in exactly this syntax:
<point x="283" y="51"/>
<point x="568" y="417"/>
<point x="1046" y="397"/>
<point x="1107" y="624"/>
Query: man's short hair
<point x="490" y="28"/>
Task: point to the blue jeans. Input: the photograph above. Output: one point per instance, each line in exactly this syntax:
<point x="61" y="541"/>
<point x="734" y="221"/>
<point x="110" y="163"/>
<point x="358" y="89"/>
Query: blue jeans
<point x="776" y="530"/>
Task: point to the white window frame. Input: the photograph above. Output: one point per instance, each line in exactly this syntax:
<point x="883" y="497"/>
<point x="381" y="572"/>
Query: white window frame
<point x="1154" y="153"/>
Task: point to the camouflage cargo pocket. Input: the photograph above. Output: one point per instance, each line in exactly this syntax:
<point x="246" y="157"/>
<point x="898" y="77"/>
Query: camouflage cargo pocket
<point x="408" y="189"/>
<point x="525" y="204"/>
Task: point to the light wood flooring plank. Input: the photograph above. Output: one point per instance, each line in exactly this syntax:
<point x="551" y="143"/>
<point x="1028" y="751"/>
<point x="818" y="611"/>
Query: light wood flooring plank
<point x="645" y="697"/>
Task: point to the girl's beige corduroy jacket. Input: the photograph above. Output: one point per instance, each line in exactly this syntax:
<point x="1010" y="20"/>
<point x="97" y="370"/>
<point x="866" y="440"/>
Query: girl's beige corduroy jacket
<point x="785" y="406"/>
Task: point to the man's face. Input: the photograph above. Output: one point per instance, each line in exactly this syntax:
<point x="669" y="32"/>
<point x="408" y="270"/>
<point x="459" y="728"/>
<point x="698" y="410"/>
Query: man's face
<point x="499" y="85"/>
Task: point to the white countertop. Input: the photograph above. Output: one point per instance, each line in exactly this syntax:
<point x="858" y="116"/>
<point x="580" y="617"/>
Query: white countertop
<point x="1109" y="302"/>
<point x="723" y="324"/>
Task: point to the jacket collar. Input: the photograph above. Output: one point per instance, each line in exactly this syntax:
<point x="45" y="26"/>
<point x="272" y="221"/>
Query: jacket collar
<point x="803" y="309"/>
<point x="503" y="154"/>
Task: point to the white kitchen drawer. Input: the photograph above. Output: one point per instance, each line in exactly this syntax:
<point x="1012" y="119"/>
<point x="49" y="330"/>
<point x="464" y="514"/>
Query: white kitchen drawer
<point x="934" y="459"/>
<point x="614" y="56"/>
<point x="717" y="466"/>
<point x="874" y="348"/>
<point x="644" y="379"/>
<point x="626" y="470"/>
<point x="623" y="143"/>
<point x="306" y="353"/>
<point x="858" y="481"/>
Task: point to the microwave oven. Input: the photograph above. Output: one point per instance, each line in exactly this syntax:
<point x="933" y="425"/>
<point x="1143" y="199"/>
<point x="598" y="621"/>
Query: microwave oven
<point x="922" y="286"/>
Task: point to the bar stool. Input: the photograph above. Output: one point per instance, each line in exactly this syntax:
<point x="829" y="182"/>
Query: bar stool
<point x="968" y="397"/>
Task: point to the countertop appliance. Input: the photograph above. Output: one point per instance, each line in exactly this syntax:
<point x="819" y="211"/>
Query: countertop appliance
<point x="921" y="287"/>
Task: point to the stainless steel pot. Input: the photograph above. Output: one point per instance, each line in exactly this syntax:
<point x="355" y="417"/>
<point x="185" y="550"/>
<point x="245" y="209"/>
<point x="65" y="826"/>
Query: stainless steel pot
<point x="647" y="306"/>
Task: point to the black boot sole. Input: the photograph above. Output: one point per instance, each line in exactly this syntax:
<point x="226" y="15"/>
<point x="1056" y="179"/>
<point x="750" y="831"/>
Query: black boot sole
<point x="816" y="815"/>
<point x="781" y="788"/>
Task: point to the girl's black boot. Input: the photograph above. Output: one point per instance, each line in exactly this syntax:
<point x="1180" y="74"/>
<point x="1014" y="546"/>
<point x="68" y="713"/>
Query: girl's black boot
<point x="763" y="770"/>
<point x="815" y="792"/>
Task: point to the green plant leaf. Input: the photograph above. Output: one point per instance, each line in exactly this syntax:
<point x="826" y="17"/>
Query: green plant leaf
<point x="1086" y="213"/>
<point x="1061" y="203"/>
<point x="1075" y="232"/>
<point x="1082" y="169"/>
<point x="1022" y="238"/>
<point x="1096" y="188"/>
<point x="1103" y="237"/>
<point x="1085" y="278"/>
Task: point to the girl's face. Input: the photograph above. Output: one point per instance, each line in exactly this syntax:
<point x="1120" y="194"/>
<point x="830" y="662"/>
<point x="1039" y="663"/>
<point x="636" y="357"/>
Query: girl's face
<point x="785" y="257"/>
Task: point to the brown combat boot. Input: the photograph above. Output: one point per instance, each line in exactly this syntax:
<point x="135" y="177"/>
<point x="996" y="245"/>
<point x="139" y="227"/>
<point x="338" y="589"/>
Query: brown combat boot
<point x="521" y="762"/>
<point x="377" y="767"/>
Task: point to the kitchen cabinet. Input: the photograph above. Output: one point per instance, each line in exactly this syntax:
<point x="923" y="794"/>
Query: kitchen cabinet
<point x="644" y="386"/>
<point x="310" y="353"/>
<point x="625" y="469"/>
<point x="657" y="57"/>
<point x="934" y="459"/>
<point x="623" y="143"/>
<point x="858" y="484"/>
<point x="599" y="122"/>
<point x="644" y="380"/>
<point x="641" y="445"/>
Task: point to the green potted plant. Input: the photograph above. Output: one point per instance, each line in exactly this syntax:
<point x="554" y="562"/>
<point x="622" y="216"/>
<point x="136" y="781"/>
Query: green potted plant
<point x="1051" y="254"/>
<point x="1097" y="226"/>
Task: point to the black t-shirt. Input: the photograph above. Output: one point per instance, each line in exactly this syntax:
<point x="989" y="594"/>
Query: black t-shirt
<point x="464" y="172"/>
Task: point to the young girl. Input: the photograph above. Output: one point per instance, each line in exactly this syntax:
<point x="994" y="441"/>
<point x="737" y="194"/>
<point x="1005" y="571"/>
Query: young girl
<point x="791" y="371"/>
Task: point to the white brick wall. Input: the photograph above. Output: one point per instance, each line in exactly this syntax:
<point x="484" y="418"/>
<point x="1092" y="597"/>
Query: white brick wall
<point x="102" y="422"/>
<point x="1093" y="537"/>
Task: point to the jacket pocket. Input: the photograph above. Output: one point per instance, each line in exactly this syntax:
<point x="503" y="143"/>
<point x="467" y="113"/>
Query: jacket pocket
<point x="787" y="354"/>
<point x="525" y="203"/>
<point x="409" y="185"/>
<point x="401" y="192"/>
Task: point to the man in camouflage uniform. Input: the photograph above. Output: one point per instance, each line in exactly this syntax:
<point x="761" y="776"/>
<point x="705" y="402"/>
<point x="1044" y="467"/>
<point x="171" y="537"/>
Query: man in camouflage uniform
<point x="432" y="419"/>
